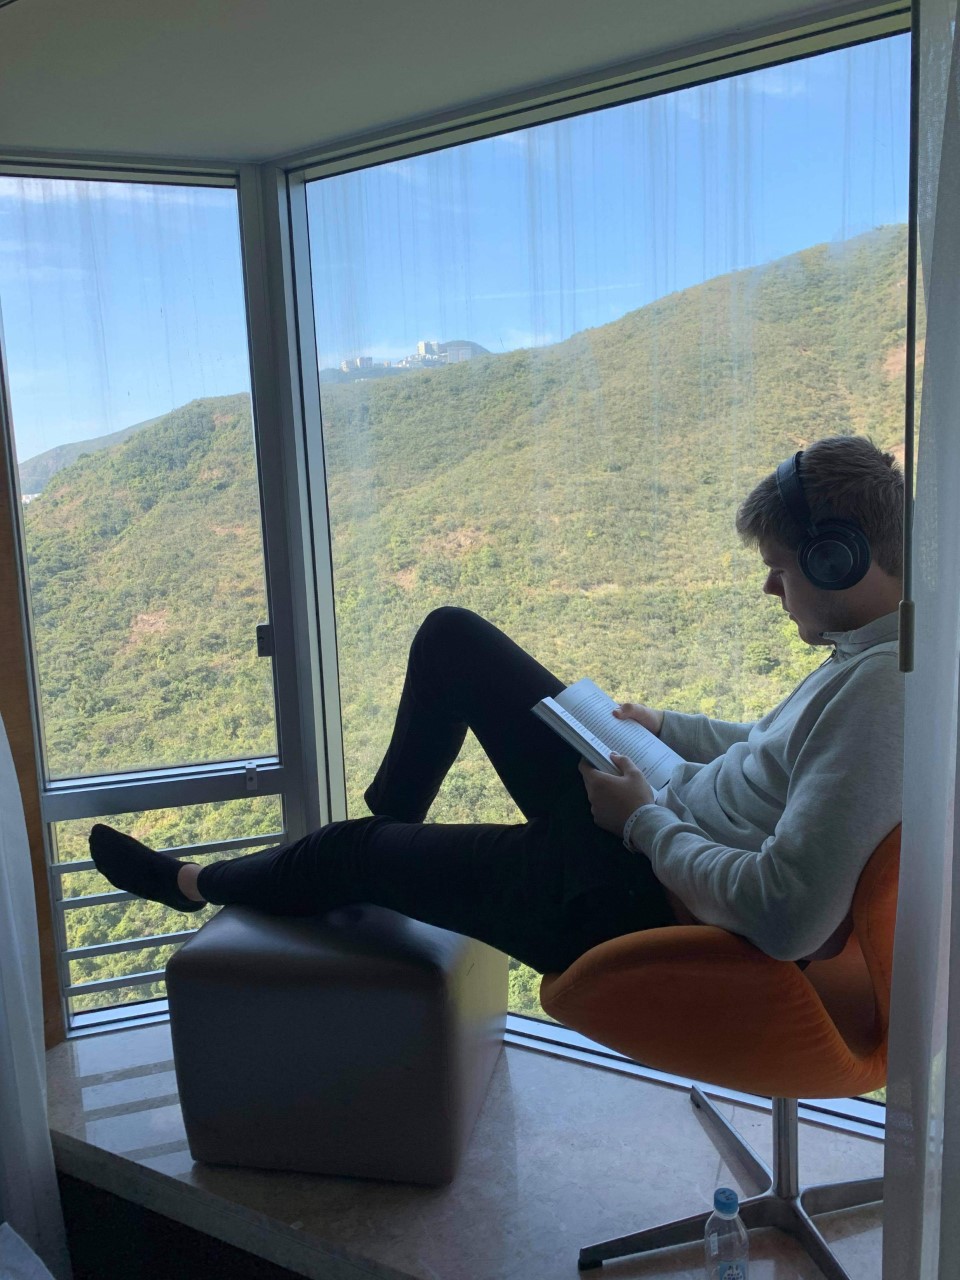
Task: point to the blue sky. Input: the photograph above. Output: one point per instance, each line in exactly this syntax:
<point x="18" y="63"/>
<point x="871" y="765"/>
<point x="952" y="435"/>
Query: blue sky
<point x="526" y="238"/>
<point x="121" y="301"/>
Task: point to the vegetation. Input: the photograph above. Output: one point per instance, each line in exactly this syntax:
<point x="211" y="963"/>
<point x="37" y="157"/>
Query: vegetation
<point x="581" y="496"/>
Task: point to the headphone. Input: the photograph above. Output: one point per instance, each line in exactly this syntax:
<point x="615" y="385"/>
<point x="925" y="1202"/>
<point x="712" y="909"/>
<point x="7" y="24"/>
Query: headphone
<point x="833" y="554"/>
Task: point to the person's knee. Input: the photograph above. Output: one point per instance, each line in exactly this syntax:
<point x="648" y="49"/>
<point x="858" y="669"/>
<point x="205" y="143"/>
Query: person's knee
<point x="448" y="625"/>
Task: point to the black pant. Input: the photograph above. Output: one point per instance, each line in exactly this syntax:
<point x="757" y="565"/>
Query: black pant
<point x="544" y="890"/>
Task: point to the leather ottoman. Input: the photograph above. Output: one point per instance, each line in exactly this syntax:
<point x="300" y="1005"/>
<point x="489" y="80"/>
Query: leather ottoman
<point x="360" y="1043"/>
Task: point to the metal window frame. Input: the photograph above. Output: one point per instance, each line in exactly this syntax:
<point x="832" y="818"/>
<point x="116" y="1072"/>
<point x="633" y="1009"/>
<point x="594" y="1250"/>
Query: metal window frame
<point x="775" y="44"/>
<point x="293" y="772"/>
<point x="277" y="257"/>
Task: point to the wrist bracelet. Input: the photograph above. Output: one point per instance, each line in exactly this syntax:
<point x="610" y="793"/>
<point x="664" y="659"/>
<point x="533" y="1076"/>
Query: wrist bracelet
<point x="629" y="825"/>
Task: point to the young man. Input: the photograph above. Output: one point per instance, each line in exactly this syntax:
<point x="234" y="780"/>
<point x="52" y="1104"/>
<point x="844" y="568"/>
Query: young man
<point x="764" y="831"/>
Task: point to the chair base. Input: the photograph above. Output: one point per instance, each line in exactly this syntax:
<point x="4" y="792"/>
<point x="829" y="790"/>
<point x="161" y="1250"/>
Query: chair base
<point x="779" y="1200"/>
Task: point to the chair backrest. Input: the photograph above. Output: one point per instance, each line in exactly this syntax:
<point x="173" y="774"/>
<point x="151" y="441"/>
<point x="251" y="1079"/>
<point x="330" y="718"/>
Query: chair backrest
<point x="855" y="985"/>
<point x="668" y="997"/>
<point x="875" y="918"/>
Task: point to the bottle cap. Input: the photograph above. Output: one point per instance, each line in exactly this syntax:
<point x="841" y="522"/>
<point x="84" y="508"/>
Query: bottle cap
<point x="725" y="1201"/>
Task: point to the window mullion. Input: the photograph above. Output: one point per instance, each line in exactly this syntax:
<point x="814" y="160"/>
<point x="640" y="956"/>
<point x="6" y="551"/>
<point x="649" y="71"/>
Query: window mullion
<point x="286" y="398"/>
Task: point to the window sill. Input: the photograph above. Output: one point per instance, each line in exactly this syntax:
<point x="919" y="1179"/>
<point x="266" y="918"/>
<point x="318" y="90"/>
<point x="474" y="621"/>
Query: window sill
<point x="566" y="1151"/>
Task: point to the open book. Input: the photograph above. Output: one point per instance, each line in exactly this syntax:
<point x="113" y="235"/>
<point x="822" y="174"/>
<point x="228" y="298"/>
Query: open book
<point x="582" y="716"/>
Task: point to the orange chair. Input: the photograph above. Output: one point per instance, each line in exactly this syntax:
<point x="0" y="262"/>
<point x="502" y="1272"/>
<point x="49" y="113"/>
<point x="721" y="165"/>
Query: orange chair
<point x="669" y="998"/>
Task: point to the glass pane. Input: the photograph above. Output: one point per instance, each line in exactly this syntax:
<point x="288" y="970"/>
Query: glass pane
<point x="126" y="342"/>
<point x="553" y="362"/>
<point x="112" y="922"/>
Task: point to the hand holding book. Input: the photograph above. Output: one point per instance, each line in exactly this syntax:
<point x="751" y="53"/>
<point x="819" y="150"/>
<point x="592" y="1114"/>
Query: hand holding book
<point x="614" y="798"/>
<point x="595" y="725"/>
<point x="651" y="719"/>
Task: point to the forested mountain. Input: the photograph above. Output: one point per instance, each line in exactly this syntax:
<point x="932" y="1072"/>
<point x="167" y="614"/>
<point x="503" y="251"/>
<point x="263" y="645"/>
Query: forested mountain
<point x="580" y="495"/>
<point x="37" y="471"/>
<point x="146" y="581"/>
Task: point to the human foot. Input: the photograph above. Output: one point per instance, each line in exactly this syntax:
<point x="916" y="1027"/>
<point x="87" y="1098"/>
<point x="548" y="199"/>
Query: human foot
<point x="131" y="866"/>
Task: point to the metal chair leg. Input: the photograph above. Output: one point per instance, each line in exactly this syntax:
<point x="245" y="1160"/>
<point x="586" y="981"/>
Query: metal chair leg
<point x="732" y="1145"/>
<point x="806" y="1234"/>
<point x="830" y="1196"/>
<point x="780" y="1202"/>
<point x="683" y="1231"/>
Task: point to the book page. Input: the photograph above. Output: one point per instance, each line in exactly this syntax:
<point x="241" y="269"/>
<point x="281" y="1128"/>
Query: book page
<point x="576" y="734"/>
<point x="593" y="708"/>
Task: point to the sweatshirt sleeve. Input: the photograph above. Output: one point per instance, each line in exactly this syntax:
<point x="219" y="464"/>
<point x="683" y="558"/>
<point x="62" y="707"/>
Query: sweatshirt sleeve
<point x="701" y="739"/>
<point x="843" y="797"/>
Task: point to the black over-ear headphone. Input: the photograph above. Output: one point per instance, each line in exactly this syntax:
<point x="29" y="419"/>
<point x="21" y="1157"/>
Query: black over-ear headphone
<point x="833" y="554"/>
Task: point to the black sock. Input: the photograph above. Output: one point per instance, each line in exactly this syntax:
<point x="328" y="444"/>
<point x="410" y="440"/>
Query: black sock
<point x="131" y="866"/>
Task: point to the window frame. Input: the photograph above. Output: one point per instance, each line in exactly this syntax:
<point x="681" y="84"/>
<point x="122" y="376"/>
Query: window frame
<point x="778" y="44"/>
<point x="294" y="772"/>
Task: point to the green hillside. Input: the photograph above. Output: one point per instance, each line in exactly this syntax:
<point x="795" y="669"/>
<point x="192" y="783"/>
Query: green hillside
<point x="580" y="495"/>
<point x="35" y="473"/>
<point x="146" y="587"/>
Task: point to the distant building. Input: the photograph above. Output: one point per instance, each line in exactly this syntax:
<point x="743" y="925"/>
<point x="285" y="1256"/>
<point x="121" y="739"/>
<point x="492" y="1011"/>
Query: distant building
<point x="459" y="350"/>
<point x="428" y="355"/>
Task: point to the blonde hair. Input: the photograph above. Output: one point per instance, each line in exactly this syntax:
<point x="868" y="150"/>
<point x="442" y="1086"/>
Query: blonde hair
<point x="846" y="477"/>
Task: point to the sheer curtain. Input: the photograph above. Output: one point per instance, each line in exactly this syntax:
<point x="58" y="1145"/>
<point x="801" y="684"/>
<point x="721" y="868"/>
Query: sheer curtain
<point x="29" y="1199"/>
<point x="552" y="362"/>
<point x="133" y="452"/>
<point x="921" y="1238"/>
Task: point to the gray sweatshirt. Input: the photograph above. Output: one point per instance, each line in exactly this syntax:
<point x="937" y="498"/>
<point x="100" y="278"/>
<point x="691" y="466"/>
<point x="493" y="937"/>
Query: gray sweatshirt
<point x="766" y="830"/>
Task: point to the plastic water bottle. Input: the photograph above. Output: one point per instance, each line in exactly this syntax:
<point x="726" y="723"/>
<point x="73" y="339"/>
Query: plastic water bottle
<point x="726" y="1244"/>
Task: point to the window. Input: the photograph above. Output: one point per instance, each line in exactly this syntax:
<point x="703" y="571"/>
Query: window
<point x="126" y="344"/>
<point x="112" y="938"/>
<point x="551" y="362"/>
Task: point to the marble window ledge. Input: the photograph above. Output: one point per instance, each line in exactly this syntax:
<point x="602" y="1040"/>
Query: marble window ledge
<point x="563" y="1155"/>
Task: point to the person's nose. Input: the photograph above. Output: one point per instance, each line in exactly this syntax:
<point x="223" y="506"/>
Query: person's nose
<point x="772" y="585"/>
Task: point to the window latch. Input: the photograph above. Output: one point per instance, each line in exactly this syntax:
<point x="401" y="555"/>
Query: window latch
<point x="264" y="640"/>
<point x="250" y="775"/>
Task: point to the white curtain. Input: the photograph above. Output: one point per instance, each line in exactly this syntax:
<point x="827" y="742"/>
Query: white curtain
<point x="29" y="1199"/>
<point x="921" y="1226"/>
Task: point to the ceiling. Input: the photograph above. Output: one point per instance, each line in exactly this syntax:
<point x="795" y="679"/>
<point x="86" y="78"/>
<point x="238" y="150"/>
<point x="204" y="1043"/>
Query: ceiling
<point x="251" y="79"/>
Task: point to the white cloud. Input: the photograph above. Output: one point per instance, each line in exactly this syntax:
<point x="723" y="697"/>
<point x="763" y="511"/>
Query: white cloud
<point x="393" y="349"/>
<point x="24" y="273"/>
<point x="408" y="171"/>
<point x="588" y="289"/>
<point x="14" y="191"/>
<point x="710" y="104"/>
<point x="519" y="141"/>
<point x="779" y="82"/>
<point x="516" y="339"/>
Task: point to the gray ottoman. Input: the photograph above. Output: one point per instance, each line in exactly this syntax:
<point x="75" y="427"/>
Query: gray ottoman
<point x="358" y="1044"/>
